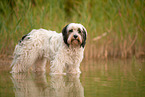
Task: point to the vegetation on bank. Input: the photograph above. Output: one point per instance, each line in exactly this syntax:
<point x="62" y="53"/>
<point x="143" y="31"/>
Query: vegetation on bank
<point x="121" y="20"/>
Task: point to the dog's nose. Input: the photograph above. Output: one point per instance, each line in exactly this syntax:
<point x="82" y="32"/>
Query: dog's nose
<point x="75" y="36"/>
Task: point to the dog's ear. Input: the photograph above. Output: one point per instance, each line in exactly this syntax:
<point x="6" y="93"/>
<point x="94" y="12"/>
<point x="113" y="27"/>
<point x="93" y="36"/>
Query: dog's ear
<point x="84" y="37"/>
<point x="64" y="33"/>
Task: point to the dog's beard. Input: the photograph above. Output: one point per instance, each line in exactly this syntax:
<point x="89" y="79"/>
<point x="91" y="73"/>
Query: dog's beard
<point x="75" y="42"/>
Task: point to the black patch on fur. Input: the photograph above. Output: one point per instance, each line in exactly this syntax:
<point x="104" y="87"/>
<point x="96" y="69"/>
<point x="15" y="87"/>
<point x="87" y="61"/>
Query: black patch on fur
<point x="79" y="30"/>
<point x="71" y="30"/>
<point x="84" y="37"/>
<point x="64" y="33"/>
<point x="24" y="38"/>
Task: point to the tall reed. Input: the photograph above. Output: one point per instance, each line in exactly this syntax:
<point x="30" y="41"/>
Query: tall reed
<point x="122" y="20"/>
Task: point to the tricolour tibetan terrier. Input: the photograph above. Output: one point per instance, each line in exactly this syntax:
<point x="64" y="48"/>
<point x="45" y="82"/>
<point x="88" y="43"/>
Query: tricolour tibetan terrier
<point x="63" y="50"/>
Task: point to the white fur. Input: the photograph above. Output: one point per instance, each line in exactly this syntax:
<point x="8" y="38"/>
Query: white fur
<point x="43" y="45"/>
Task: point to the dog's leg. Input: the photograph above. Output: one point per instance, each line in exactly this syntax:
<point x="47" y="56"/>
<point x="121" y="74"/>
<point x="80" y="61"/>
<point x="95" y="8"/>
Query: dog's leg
<point x="23" y="59"/>
<point x="57" y="66"/>
<point x="40" y="65"/>
<point x="22" y="64"/>
<point x="73" y="68"/>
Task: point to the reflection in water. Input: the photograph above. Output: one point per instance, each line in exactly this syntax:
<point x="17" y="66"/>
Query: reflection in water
<point x="66" y="87"/>
<point x="36" y="85"/>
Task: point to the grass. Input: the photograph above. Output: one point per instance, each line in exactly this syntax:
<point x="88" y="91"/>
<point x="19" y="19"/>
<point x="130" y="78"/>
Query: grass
<point x="123" y="20"/>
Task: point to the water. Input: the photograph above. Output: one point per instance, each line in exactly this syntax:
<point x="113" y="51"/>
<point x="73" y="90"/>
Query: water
<point x="105" y="78"/>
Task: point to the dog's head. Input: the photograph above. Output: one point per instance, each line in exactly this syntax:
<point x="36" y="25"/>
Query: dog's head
<point x="74" y="34"/>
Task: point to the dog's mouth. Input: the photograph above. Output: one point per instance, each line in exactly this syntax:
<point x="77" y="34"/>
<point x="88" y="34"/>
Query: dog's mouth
<point x="75" y="42"/>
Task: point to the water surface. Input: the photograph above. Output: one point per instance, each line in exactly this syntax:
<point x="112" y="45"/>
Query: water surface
<point x="99" y="78"/>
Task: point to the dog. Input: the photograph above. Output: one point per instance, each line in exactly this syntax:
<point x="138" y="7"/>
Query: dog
<point x="63" y="50"/>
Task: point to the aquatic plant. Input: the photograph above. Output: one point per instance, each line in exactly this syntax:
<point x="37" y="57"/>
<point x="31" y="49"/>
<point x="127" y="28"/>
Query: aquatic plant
<point x="121" y="20"/>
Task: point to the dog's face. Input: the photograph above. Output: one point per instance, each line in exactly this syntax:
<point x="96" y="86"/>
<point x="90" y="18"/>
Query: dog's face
<point x="75" y="35"/>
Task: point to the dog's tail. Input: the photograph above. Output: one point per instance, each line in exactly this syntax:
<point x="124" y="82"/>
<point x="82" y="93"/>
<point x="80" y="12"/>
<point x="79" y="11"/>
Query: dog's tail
<point x="15" y="55"/>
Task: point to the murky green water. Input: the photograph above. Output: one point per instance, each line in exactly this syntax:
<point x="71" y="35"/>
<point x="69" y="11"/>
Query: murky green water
<point x="105" y="78"/>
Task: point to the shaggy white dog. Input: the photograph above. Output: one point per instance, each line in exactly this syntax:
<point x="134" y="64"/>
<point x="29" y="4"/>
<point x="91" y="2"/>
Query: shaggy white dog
<point x="63" y="50"/>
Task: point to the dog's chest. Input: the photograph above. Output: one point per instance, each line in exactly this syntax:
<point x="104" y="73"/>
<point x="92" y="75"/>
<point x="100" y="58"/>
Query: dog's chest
<point x="73" y="56"/>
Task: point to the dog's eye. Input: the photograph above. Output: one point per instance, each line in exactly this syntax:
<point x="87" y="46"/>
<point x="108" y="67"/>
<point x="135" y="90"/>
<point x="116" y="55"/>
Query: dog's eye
<point x="71" y="30"/>
<point x="79" y="30"/>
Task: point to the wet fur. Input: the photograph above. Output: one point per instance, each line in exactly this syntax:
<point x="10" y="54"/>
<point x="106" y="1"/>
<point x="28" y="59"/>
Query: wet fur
<point x="39" y="46"/>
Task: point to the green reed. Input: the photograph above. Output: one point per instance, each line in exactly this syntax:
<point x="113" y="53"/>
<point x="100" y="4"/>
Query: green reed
<point x="123" y="20"/>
